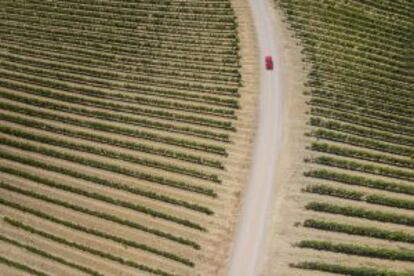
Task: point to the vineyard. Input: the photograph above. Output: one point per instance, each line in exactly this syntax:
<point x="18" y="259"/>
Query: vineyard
<point x="123" y="136"/>
<point x="357" y="184"/>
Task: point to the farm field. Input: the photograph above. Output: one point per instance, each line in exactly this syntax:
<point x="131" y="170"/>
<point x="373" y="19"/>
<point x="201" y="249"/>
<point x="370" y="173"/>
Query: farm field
<point x="125" y="132"/>
<point x="347" y="205"/>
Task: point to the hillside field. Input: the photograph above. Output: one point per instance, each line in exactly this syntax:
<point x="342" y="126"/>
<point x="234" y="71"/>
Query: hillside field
<point x="124" y="135"/>
<point x="348" y="204"/>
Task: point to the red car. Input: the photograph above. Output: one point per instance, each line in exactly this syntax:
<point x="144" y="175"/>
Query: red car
<point x="269" y="62"/>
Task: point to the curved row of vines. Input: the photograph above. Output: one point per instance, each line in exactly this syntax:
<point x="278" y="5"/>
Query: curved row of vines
<point x="359" y="170"/>
<point x="115" y="123"/>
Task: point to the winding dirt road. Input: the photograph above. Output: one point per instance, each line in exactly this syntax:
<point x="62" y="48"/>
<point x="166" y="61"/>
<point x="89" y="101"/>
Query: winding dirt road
<point x="246" y="252"/>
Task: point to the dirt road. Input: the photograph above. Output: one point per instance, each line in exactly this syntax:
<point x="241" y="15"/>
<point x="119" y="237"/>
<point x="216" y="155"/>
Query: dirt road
<point x="246" y="254"/>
